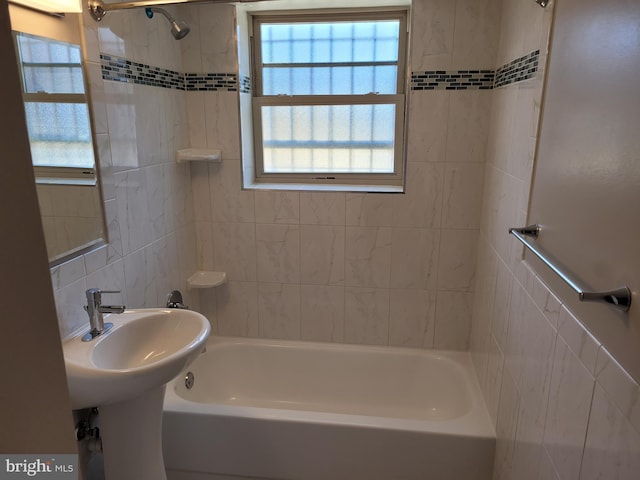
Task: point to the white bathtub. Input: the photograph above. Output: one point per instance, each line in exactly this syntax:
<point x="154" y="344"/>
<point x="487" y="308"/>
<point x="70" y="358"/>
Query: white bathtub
<point x="311" y="411"/>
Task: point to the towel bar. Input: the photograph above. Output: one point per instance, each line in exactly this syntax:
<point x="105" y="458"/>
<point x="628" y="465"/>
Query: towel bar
<point x="619" y="297"/>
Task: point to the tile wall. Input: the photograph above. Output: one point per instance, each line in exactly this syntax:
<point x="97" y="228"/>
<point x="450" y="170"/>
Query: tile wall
<point x="358" y="268"/>
<point x="562" y="407"/>
<point x="147" y="196"/>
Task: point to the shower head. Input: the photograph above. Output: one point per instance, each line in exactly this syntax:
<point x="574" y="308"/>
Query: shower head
<point x="179" y="28"/>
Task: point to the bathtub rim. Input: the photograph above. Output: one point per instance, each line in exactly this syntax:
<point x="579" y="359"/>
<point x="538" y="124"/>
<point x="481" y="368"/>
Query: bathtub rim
<point x="475" y="424"/>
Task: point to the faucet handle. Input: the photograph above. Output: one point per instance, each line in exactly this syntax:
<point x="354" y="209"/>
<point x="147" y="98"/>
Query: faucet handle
<point x="174" y="300"/>
<point x="96" y="291"/>
<point x="94" y="295"/>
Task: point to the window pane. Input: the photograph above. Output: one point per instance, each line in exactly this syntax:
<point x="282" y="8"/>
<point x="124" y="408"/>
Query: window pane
<point x="356" y="80"/>
<point x="50" y="66"/>
<point x="330" y="42"/>
<point x="53" y="79"/>
<point x="328" y="138"/>
<point x="60" y="134"/>
<point x="346" y="57"/>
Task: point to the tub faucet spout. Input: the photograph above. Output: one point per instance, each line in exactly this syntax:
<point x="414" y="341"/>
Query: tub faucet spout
<point x="174" y="300"/>
<point x="95" y="309"/>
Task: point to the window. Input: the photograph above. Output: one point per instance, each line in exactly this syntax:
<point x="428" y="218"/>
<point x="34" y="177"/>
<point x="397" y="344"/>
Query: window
<point x="329" y="101"/>
<point x="56" y="108"/>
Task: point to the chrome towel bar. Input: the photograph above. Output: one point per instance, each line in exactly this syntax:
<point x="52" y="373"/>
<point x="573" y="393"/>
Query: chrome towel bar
<point x="619" y="297"/>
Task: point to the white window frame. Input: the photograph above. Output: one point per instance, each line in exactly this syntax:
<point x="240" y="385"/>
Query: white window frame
<point x="399" y="100"/>
<point x="60" y="174"/>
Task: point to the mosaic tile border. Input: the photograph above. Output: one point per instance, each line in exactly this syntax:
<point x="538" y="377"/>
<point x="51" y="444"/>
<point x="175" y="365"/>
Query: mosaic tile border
<point x="122" y="70"/>
<point x="245" y="84"/>
<point x="517" y="70"/>
<point x="119" y="69"/>
<point x="452" y="80"/>
<point x="211" y="82"/>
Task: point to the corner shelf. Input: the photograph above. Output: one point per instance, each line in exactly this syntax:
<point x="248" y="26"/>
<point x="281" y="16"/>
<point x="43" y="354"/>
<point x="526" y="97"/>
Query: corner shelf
<point x="206" y="279"/>
<point x="198" y="155"/>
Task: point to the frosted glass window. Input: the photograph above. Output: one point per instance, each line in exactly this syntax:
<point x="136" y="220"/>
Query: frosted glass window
<point x="53" y="79"/>
<point x="310" y="135"/>
<point x="329" y="95"/>
<point x="363" y="41"/>
<point x="60" y="134"/>
<point x="339" y="80"/>
<point x="49" y="66"/>
<point x="339" y="58"/>
<point x="56" y="107"/>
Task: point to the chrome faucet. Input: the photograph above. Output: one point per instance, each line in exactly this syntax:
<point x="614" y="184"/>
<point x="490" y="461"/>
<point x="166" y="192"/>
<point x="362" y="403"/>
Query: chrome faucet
<point x="95" y="309"/>
<point x="174" y="300"/>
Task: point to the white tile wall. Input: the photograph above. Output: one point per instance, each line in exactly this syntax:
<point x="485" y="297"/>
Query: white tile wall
<point x="453" y="320"/>
<point x="279" y="310"/>
<point x="148" y="200"/>
<point x="235" y="251"/>
<point x="366" y="315"/>
<point x="322" y="208"/>
<point x="322" y="253"/>
<point x="278" y="253"/>
<point x="612" y="448"/>
<point x="368" y="256"/>
<point x="427" y="144"/>
<point x="322" y="313"/>
<point x="570" y="396"/>
<point x="367" y="252"/>
<point x="563" y="408"/>
<point x="412" y="318"/>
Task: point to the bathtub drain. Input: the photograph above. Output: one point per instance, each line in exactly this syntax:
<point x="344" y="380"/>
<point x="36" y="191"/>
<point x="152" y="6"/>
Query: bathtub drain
<point x="189" y="380"/>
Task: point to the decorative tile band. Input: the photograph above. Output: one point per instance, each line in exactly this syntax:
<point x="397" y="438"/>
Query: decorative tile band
<point x="211" y="82"/>
<point x="453" y="80"/>
<point x="518" y="70"/>
<point x="245" y="84"/>
<point x="122" y="70"/>
<point x="119" y="69"/>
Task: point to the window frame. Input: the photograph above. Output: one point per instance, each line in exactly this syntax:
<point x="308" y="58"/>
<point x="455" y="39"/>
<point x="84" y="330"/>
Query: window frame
<point x="52" y="174"/>
<point x="398" y="99"/>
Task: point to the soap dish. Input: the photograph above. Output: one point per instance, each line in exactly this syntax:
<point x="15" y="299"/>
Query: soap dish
<point x="198" y="154"/>
<point x="205" y="279"/>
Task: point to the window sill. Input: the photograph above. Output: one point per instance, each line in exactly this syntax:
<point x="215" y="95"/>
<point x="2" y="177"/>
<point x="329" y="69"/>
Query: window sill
<point x="306" y="187"/>
<point x="65" y="181"/>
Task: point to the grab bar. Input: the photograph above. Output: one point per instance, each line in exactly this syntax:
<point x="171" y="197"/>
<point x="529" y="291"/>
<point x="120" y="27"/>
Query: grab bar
<point x="619" y="298"/>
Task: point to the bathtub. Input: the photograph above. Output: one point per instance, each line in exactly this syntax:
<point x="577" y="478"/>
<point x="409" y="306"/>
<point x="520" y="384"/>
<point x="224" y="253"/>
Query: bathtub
<point x="311" y="411"/>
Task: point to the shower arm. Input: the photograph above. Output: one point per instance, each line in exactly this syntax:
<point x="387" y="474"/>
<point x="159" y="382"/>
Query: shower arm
<point x="98" y="9"/>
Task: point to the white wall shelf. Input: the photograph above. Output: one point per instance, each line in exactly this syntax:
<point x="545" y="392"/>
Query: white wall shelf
<point x="198" y="155"/>
<point x="206" y="279"/>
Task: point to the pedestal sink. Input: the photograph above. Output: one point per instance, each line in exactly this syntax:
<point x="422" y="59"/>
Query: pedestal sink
<point x="123" y="372"/>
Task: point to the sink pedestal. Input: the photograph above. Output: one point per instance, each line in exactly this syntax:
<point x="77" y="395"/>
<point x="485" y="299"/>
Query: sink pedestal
<point x="132" y="437"/>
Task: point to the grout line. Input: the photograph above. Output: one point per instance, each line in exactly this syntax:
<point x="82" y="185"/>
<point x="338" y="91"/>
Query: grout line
<point x="586" y="433"/>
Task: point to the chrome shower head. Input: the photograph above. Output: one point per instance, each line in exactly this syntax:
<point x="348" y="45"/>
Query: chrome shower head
<point x="179" y="28"/>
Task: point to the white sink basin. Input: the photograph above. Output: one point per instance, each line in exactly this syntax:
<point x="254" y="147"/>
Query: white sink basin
<point x="145" y="349"/>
